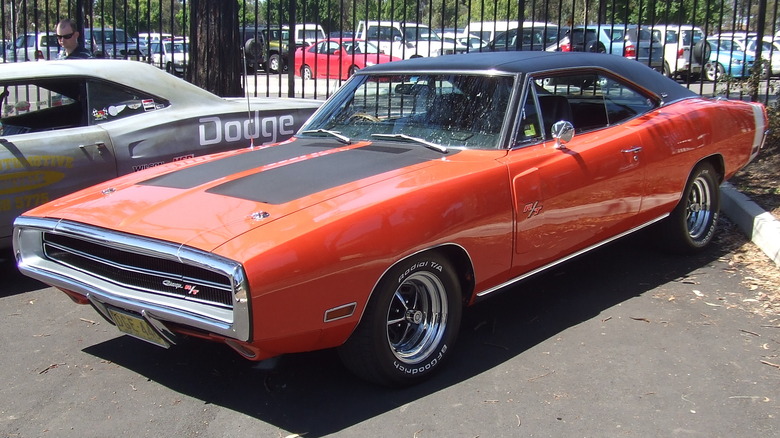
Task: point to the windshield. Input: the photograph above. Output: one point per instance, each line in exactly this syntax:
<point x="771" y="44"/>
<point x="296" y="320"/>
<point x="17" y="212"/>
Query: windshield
<point x="725" y="45"/>
<point x="359" y="47"/>
<point x="450" y="110"/>
<point x="177" y="47"/>
<point x="108" y="35"/>
<point x="418" y="33"/>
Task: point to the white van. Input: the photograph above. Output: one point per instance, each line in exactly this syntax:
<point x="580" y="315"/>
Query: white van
<point x="308" y="33"/>
<point x="404" y="40"/>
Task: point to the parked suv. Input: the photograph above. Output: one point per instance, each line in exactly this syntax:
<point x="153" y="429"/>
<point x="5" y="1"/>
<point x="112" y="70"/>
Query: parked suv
<point x="403" y="40"/>
<point x="629" y="41"/>
<point x="32" y="47"/>
<point x="109" y="42"/>
<point x="679" y="42"/>
<point x="268" y="46"/>
<point x="171" y="55"/>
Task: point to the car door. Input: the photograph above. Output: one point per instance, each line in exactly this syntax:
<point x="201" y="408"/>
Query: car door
<point x="47" y="147"/>
<point x="329" y="59"/>
<point x="569" y="197"/>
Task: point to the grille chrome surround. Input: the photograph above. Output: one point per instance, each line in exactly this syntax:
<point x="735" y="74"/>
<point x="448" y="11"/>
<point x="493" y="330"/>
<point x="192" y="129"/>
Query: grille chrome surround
<point x="144" y="273"/>
<point x="176" y="283"/>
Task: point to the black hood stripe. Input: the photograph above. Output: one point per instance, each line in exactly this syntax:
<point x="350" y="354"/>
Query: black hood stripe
<point x="194" y="176"/>
<point x="296" y="180"/>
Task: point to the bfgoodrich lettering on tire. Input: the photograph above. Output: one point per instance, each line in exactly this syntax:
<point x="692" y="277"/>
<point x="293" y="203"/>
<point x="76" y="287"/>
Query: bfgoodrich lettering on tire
<point x="409" y="324"/>
<point x="691" y="225"/>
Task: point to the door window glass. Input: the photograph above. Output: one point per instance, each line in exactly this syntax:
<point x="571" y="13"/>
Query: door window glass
<point x="40" y="106"/>
<point x="107" y="102"/>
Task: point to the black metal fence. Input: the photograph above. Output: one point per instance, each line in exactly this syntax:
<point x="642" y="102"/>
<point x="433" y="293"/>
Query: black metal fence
<point x="712" y="46"/>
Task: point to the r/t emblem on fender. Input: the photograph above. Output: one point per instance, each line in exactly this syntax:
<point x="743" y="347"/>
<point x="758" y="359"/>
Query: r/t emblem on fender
<point x="532" y="209"/>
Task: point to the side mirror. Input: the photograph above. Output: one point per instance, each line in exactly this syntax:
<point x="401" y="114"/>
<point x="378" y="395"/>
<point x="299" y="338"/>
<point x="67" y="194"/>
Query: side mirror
<point x="562" y="132"/>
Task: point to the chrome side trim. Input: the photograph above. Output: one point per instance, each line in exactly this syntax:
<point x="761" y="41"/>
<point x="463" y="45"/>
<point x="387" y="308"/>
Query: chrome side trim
<point x="567" y="258"/>
<point x="31" y="260"/>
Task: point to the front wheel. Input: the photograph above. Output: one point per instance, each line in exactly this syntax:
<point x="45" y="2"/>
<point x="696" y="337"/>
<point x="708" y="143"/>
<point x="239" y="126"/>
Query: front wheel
<point x="409" y="325"/>
<point x="691" y="225"/>
<point x="274" y="63"/>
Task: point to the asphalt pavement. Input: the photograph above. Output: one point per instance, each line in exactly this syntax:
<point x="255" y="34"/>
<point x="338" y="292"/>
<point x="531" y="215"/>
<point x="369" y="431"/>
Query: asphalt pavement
<point x="622" y="342"/>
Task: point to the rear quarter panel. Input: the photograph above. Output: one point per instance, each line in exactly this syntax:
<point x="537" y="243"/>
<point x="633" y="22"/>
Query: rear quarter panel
<point x="677" y="137"/>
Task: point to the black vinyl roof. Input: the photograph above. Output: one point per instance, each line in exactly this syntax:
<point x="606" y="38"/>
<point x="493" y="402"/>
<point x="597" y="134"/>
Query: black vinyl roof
<point x="523" y="62"/>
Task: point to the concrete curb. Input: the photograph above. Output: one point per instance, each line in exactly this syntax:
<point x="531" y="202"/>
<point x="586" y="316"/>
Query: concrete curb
<point x="760" y="226"/>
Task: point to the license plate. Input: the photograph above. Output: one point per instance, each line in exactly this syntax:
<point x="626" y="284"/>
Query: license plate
<point x="137" y="326"/>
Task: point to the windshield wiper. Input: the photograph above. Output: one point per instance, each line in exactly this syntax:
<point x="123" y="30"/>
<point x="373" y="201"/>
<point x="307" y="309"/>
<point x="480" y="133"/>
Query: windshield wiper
<point x="342" y="138"/>
<point x="426" y="143"/>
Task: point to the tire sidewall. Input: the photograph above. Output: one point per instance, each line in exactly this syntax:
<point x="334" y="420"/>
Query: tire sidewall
<point x="679" y="216"/>
<point x="397" y="372"/>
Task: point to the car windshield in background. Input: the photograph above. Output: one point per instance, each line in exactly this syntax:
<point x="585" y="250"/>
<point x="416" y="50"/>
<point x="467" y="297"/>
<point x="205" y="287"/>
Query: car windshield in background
<point x="415" y="33"/>
<point x="725" y="45"/>
<point x="450" y="110"/>
<point x="176" y="48"/>
<point x="110" y="36"/>
<point x="359" y="47"/>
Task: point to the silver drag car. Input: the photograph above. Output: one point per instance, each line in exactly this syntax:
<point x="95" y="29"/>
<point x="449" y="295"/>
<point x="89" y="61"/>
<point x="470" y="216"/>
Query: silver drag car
<point x="67" y="125"/>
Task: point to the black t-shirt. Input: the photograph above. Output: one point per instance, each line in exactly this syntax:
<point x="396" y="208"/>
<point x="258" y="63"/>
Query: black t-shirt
<point x="80" y="53"/>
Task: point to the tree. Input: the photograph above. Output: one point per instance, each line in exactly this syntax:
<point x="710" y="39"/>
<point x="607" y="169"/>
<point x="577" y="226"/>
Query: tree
<point x="215" y="54"/>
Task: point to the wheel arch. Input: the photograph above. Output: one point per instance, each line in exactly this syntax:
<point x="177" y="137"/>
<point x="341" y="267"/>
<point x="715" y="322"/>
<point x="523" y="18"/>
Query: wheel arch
<point x="717" y="162"/>
<point x="455" y="254"/>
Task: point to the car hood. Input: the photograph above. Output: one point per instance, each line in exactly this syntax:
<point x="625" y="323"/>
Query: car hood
<point x="205" y="202"/>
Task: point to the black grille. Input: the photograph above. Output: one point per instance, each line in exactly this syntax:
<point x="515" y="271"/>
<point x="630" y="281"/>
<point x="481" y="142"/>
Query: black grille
<point x="140" y="271"/>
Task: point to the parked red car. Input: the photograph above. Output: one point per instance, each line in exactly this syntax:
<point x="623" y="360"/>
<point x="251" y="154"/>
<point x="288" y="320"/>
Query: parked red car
<point x="337" y="58"/>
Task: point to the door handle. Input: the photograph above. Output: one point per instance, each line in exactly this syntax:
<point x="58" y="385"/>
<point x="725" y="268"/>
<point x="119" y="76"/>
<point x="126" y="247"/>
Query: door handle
<point x="634" y="151"/>
<point x="99" y="146"/>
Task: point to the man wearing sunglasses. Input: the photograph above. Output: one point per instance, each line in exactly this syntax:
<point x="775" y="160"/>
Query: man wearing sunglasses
<point x="68" y="37"/>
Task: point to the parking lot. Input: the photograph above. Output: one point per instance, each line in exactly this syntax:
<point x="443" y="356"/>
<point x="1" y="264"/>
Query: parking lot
<point x="623" y="342"/>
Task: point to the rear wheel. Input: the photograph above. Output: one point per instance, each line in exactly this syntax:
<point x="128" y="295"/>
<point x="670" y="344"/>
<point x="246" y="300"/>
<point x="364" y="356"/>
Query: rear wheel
<point x="409" y="325"/>
<point x="352" y="70"/>
<point x="666" y="70"/>
<point x="306" y="72"/>
<point x="691" y="225"/>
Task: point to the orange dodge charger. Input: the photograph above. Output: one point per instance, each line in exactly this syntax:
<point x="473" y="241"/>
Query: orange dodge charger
<point x="417" y="189"/>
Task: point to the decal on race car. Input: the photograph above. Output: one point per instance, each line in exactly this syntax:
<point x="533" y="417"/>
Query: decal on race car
<point x="114" y="110"/>
<point x="138" y="167"/>
<point x="99" y="114"/>
<point x="183" y="157"/>
<point x="148" y="105"/>
<point x="213" y="130"/>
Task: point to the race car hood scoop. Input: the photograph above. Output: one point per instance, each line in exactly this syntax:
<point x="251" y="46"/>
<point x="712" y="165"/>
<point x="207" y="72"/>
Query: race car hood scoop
<point x="206" y="203"/>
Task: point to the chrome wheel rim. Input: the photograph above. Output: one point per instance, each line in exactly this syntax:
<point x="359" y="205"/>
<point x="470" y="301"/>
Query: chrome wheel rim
<point x="416" y="317"/>
<point x="699" y="213"/>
